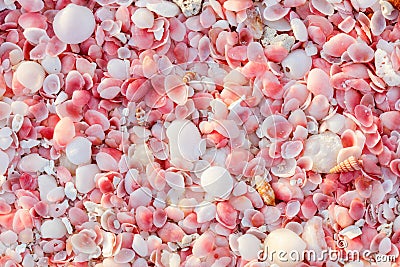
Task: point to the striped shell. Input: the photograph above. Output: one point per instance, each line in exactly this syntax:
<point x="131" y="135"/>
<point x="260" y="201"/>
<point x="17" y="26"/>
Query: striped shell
<point x="348" y="165"/>
<point x="265" y="190"/>
<point x="140" y="116"/>
<point x="190" y="75"/>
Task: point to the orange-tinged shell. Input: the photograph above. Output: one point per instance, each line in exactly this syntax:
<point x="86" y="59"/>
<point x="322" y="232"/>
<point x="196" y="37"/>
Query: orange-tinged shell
<point x="348" y="165"/>
<point x="266" y="192"/>
<point x="395" y="3"/>
<point x="140" y="116"/>
<point x="190" y="75"/>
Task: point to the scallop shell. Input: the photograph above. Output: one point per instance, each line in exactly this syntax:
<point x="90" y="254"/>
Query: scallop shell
<point x="348" y="165"/>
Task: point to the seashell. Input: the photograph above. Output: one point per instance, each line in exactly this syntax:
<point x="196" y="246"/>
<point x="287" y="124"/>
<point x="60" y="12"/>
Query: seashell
<point x="31" y="75"/>
<point x="265" y="190"/>
<point x="277" y="241"/>
<point x="53" y="229"/>
<point x="338" y="44"/>
<point x="226" y="215"/>
<point x="74" y="24"/>
<point x="189" y="7"/>
<point x="217" y="182"/>
<point x="143" y="18"/>
<point x="140" y="116"/>
<point x="296" y="64"/>
<point x="350" y="164"/>
<point x="189" y="76"/>
<point x="248" y="246"/>
<point x="203" y="245"/>
<point x="163" y="8"/>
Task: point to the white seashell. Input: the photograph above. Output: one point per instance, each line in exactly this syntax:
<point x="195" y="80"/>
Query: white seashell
<point x="74" y="24"/>
<point x="51" y="65"/>
<point x="143" y="18"/>
<point x="296" y="64"/>
<point x="51" y="84"/>
<point x="277" y="240"/>
<point x="67" y="224"/>
<point x="249" y="246"/>
<point x="53" y="229"/>
<point x="79" y="150"/>
<point x="175" y="180"/>
<point x="85" y="175"/>
<point x="205" y="211"/>
<point x="35" y="35"/>
<point x="118" y="68"/>
<point x="139" y="245"/>
<point x="164" y="8"/>
<point x="32" y="163"/>
<point x="184" y="140"/>
<point x="299" y="29"/>
<point x="323" y="6"/>
<point x="31" y="75"/>
<point x="17" y="122"/>
<point x="19" y="107"/>
<point x="46" y="184"/>
<point x="4" y="161"/>
<point x="323" y="149"/>
<point x="16" y="56"/>
<point x="70" y="191"/>
<point x="29" y="143"/>
<point x="285" y="169"/>
<point x="351" y="231"/>
<point x="217" y="182"/>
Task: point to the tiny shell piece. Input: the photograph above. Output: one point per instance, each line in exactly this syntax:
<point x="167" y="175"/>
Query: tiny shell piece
<point x="265" y="190"/>
<point x="350" y="164"/>
<point x="189" y="7"/>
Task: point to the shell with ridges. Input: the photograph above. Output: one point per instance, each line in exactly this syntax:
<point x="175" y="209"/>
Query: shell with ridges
<point x="265" y="190"/>
<point x="348" y="165"/>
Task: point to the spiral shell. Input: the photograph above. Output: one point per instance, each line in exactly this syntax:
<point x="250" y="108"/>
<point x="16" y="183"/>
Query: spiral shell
<point x="348" y="165"/>
<point x="140" y="116"/>
<point x="265" y="190"/>
<point x="189" y="76"/>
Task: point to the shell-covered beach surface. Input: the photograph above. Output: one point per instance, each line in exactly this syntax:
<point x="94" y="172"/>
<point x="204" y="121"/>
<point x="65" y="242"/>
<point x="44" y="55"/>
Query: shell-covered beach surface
<point x="199" y="133"/>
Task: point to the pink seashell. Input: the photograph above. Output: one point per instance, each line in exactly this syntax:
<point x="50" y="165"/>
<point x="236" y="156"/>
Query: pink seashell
<point x="292" y="208"/>
<point x="360" y="52"/>
<point x="338" y="44"/>
<point x="5" y="110"/>
<point x="144" y="218"/>
<point x="159" y="218"/>
<point x="323" y="6"/>
<point x="308" y="208"/>
<point x="364" y="115"/>
<point x="226" y="215"/>
<point x="255" y="53"/>
<point x="395" y="166"/>
<point x="357" y="209"/>
<point x="319" y="107"/>
<point x="176" y="90"/>
<point x="64" y="131"/>
<point x="237" y="5"/>
<point x="171" y="232"/>
<point x="31" y="6"/>
<point x="83" y="242"/>
<point x="347" y="24"/>
<point x="124" y="256"/>
<point x="204" y="245"/>
<point x="276" y="127"/>
<point x="291" y="149"/>
<point x="77" y="216"/>
<point x="293" y="3"/>
<point x="318" y="83"/>
<point x="378" y="23"/>
<point x="32" y="20"/>
<point x="275" y="12"/>
<point x="390" y="120"/>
